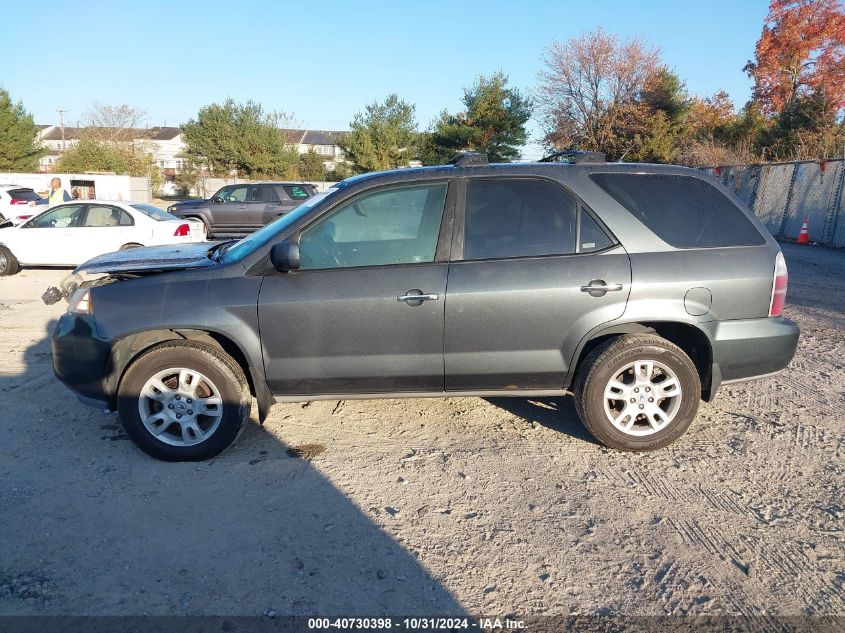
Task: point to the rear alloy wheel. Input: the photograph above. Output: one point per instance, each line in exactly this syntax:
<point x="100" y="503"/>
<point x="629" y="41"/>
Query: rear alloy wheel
<point x="184" y="401"/>
<point x="8" y="262"/>
<point x="637" y="392"/>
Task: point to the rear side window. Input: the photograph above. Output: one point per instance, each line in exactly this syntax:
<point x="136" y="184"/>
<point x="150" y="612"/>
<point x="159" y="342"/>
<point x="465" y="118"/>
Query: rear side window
<point x="297" y="192"/>
<point x="683" y="211"/>
<point x="518" y="217"/>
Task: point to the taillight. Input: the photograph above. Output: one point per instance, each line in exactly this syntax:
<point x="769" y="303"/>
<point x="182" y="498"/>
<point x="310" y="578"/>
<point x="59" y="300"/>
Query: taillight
<point x="182" y="231"/>
<point x="779" y="287"/>
<point x="13" y="201"/>
<point x="21" y="218"/>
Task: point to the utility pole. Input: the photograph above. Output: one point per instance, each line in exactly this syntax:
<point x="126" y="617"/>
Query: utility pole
<point x="62" y="125"/>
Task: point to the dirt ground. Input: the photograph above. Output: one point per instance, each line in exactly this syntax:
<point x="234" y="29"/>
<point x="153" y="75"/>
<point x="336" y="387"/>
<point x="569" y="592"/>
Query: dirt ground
<point x="431" y="507"/>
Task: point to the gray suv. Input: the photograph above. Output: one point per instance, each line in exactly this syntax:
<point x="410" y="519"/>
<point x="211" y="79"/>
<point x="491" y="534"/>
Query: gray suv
<point x="638" y="288"/>
<point x="244" y="207"/>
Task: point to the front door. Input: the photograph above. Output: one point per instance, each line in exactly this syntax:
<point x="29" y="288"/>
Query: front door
<point x="53" y="237"/>
<point x="364" y="314"/>
<point x="515" y="308"/>
<point x="229" y="209"/>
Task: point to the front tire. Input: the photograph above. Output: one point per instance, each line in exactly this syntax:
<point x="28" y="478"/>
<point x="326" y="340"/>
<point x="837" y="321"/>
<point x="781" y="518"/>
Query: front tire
<point x="637" y="392"/>
<point x="8" y="262"/>
<point x="183" y="401"/>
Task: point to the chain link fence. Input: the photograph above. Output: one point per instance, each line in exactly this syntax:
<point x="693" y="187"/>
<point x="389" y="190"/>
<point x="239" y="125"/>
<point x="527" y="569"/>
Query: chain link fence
<point x="784" y="194"/>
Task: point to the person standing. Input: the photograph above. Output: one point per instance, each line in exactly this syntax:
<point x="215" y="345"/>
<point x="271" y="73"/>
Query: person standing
<point x="57" y="193"/>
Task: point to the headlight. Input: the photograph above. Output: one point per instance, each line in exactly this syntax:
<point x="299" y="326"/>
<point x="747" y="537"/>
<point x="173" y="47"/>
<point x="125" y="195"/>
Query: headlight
<point x="80" y="302"/>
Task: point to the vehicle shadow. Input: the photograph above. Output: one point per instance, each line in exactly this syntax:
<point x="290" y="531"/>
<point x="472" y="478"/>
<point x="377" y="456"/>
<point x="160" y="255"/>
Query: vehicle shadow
<point x="556" y="413"/>
<point x="92" y="526"/>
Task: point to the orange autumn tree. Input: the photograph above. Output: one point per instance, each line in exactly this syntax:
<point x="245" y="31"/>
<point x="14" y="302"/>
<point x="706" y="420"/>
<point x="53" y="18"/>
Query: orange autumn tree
<point x="800" y="53"/>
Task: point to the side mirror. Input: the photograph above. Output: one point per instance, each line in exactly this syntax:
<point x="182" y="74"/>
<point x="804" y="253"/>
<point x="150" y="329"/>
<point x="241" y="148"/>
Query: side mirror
<point x="216" y="199"/>
<point x="285" y="256"/>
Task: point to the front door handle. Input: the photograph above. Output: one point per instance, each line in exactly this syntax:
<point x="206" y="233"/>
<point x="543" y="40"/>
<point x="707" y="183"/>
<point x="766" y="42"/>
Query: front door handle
<point x="416" y="297"/>
<point x="599" y="288"/>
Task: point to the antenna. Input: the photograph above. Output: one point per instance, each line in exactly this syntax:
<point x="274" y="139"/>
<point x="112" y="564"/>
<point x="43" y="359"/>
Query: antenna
<point x="62" y="125"/>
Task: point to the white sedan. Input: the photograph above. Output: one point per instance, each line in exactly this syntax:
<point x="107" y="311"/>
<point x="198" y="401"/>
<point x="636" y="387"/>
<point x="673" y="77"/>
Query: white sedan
<point x="72" y="233"/>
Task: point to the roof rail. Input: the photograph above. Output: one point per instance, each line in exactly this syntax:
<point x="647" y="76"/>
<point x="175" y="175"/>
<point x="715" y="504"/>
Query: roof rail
<point x="469" y="159"/>
<point x="574" y="156"/>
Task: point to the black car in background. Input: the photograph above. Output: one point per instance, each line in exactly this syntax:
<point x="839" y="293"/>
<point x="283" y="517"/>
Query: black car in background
<point x="245" y="207"/>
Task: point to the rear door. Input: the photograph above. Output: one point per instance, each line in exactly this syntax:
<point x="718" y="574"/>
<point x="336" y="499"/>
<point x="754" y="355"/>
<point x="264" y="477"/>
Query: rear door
<point x="349" y="321"/>
<point x="105" y="228"/>
<point x="263" y="205"/>
<point x="525" y="256"/>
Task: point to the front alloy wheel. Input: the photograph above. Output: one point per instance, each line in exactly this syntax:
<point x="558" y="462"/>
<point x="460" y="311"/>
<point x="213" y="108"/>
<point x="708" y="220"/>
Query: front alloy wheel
<point x="183" y="401"/>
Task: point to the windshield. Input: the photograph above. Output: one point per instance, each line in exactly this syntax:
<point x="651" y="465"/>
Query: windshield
<point x="262" y="236"/>
<point x="154" y="212"/>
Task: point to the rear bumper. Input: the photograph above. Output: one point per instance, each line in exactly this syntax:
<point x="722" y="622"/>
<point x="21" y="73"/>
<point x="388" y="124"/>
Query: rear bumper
<point x="750" y="348"/>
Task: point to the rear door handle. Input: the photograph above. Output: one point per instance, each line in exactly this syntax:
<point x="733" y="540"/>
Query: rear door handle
<point x="416" y="297"/>
<point x="599" y="287"/>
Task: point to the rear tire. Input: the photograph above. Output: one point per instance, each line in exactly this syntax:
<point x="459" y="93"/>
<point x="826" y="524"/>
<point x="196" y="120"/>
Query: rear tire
<point x="637" y="392"/>
<point x="8" y="262"/>
<point x="183" y="401"/>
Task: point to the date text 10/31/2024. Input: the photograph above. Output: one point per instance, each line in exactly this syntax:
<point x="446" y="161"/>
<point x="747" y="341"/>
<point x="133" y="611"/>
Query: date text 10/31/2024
<point x="415" y="624"/>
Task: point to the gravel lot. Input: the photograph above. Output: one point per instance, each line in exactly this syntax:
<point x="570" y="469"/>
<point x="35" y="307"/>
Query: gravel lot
<point x="431" y="506"/>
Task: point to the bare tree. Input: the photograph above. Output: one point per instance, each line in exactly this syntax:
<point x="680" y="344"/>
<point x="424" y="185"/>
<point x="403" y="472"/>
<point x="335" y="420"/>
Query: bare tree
<point x="589" y="87"/>
<point x="114" y="123"/>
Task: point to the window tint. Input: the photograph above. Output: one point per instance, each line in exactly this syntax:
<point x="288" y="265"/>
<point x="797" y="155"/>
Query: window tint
<point x="58" y="218"/>
<point x="683" y="211"/>
<point x="297" y="192"/>
<point x="518" y="218"/>
<point x="399" y="225"/>
<point x="593" y="237"/>
<point x="100" y="216"/>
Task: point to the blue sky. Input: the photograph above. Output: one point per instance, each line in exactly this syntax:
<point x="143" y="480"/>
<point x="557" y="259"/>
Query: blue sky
<point x="322" y="60"/>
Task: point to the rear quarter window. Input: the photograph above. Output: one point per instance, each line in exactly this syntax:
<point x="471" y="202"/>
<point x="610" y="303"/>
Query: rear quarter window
<point x="297" y="192"/>
<point x="683" y="211"/>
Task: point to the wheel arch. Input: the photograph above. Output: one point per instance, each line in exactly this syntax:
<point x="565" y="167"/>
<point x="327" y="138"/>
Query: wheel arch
<point x="128" y="348"/>
<point x="689" y="337"/>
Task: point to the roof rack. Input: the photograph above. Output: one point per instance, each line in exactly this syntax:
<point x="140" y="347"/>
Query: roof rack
<point x="574" y="156"/>
<point x="469" y="159"/>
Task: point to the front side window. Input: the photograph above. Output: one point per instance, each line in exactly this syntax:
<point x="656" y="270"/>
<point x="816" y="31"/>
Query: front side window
<point x="58" y="218"/>
<point x="397" y="225"/>
<point x="233" y="194"/>
<point x="100" y="216"/>
<point x="683" y="211"/>
<point x="518" y="217"/>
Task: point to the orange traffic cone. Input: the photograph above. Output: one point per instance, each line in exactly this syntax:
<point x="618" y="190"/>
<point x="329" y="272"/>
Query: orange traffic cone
<point x="804" y="233"/>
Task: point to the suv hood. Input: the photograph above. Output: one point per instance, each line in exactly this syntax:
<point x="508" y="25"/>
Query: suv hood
<point x="189" y="204"/>
<point x="151" y="259"/>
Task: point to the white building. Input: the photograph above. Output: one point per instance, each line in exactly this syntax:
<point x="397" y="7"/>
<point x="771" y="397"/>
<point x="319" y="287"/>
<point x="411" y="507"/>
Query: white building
<point x="165" y="144"/>
<point x="168" y="148"/>
<point x="323" y="142"/>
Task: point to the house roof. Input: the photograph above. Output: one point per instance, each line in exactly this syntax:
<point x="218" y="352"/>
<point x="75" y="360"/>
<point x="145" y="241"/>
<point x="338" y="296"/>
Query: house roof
<point x="313" y="137"/>
<point x="157" y="133"/>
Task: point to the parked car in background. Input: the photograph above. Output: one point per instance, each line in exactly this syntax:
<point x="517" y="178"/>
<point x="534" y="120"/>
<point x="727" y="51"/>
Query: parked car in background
<point x="71" y="233"/>
<point x="18" y="203"/>
<point x="245" y="207"/>
<point x="641" y="289"/>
